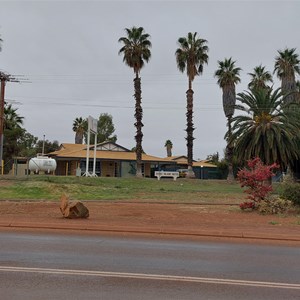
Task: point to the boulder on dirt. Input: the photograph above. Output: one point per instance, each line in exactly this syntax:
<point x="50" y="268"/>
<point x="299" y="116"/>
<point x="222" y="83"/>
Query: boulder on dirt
<point x="73" y="210"/>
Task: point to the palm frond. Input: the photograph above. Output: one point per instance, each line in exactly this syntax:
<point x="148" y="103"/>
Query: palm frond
<point x="268" y="131"/>
<point x="136" y="48"/>
<point x="191" y="55"/>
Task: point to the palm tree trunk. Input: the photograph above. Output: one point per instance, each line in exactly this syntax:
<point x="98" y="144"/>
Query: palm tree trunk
<point x="189" y="130"/>
<point x="138" y="124"/>
<point x="229" y="152"/>
<point x="78" y="138"/>
<point x="288" y="85"/>
<point x="169" y="151"/>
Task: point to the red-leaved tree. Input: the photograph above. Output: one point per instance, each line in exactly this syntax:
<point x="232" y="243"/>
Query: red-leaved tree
<point x="256" y="177"/>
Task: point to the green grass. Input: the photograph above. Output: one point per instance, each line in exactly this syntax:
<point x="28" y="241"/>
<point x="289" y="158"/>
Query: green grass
<point x="274" y="223"/>
<point x="124" y="189"/>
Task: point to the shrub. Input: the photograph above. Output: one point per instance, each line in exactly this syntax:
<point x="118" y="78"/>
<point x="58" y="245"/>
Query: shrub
<point x="274" y="206"/>
<point x="255" y="177"/>
<point x="247" y="205"/>
<point x="291" y="191"/>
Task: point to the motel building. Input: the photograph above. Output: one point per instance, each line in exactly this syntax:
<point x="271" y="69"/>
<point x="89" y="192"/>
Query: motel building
<point x="112" y="160"/>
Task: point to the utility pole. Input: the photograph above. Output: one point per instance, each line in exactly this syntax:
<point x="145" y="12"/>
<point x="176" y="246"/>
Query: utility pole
<point x="3" y="79"/>
<point x="43" y="149"/>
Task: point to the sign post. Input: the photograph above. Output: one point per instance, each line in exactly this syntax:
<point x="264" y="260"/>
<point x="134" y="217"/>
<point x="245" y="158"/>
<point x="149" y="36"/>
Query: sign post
<point x="92" y="127"/>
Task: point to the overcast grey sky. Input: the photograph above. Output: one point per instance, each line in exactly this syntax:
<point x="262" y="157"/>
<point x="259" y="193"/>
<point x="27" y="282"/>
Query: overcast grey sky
<point x="69" y="52"/>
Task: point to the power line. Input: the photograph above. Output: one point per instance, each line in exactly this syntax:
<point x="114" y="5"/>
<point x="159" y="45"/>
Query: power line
<point x="113" y="78"/>
<point x="146" y="104"/>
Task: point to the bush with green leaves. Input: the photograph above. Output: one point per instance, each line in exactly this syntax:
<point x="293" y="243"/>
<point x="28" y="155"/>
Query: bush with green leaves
<point x="291" y="191"/>
<point x="274" y="206"/>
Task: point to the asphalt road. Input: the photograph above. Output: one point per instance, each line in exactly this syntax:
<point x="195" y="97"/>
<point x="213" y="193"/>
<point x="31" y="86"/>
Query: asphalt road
<point x="68" y="266"/>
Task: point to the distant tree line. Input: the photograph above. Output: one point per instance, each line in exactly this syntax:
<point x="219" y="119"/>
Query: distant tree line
<point x="18" y="142"/>
<point x="105" y="130"/>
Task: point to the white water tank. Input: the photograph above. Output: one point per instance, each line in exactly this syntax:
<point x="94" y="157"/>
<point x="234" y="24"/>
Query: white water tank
<point x="42" y="163"/>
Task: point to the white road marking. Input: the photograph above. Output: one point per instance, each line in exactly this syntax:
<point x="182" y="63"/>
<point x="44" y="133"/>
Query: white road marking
<point x="264" y="284"/>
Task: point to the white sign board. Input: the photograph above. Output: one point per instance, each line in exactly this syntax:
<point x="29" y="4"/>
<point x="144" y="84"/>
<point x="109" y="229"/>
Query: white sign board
<point x="93" y="124"/>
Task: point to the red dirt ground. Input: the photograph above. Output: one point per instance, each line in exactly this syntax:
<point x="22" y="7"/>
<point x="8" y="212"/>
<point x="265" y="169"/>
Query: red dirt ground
<point x="207" y="220"/>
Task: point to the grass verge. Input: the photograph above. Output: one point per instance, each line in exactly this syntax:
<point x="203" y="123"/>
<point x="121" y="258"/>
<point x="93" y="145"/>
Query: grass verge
<point x="127" y="189"/>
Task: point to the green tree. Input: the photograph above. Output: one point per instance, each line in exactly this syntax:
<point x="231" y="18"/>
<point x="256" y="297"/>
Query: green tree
<point x="287" y="65"/>
<point x="268" y="130"/>
<point x="28" y="144"/>
<point x="13" y="131"/>
<point x="19" y="142"/>
<point x="48" y="146"/>
<point x="106" y="128"/>
<point x="136" y="52"/>
<point x="213" y="158"/>
<point x="228" y="76"/>
<point x="169" y="146"/>
<point x="260" y="78"/>
<point x="191" y="55"/>
<point x="80" y="128"/>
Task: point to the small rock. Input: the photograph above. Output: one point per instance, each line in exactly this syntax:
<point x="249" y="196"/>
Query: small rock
<point x="73" y="210"/>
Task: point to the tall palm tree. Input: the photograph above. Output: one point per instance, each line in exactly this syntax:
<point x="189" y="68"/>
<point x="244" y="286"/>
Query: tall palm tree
<point x="191" y="55"/>
<point x="136" y="51"/>
<point x="228" y="76"/>
<point x="268" y="131"/>
<point x="287" y="65"/>
<point x="260" y="78"/>
<point x="294" y="168"/>
<point x="169" y="146"/>
<point x="79" y="127"/>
